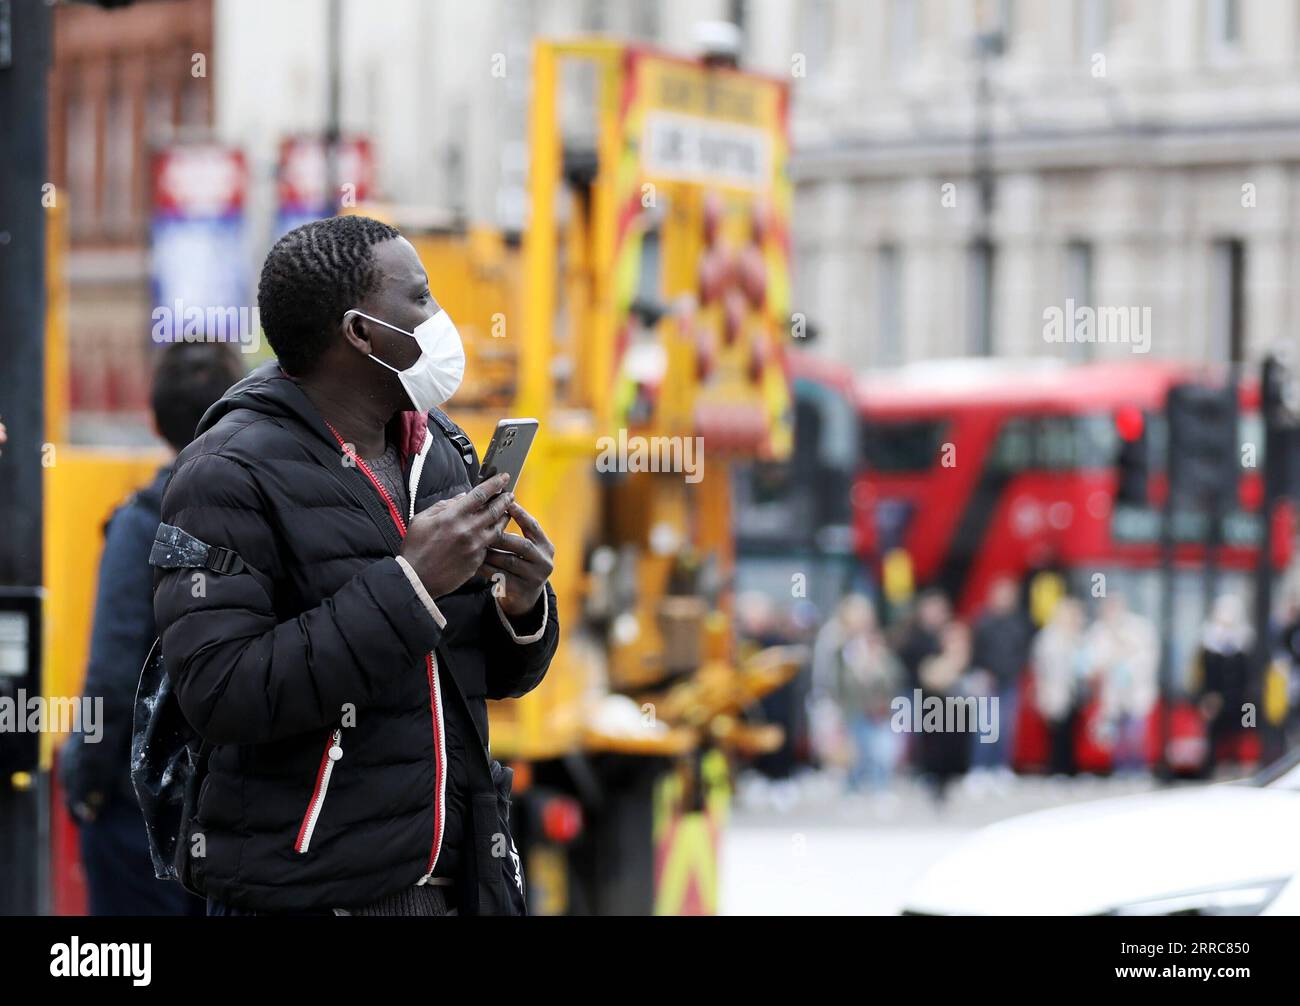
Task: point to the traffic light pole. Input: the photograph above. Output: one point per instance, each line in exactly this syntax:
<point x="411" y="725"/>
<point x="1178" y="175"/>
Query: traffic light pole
<point x="1274" y="480"/>
<point x="1166" y="666"/>
<point x="25" y="41"/>
<point x="1202" y="467"/>
<point x="1217" y="505"/>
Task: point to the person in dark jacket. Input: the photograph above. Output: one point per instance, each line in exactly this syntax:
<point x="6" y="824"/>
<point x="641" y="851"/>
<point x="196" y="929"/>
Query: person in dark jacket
<point x="1227" y="639"/>
<point x="94" y="769"/>
<point x="922" y="634"/>
<point x="362" y="601"/>
<point x="943" y="755"/>
<point x="1002" y="638"/>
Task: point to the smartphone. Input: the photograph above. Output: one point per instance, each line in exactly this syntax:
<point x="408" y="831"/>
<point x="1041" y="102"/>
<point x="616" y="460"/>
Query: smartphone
<point x="508" y="449"/>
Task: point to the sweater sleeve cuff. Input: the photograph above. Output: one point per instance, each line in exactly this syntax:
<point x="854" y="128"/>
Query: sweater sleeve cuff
<point x="420" y="592"/>
<point x="532" y="637"/>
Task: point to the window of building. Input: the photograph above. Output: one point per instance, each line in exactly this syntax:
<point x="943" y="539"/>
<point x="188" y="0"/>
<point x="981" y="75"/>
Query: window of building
<point x="78" y="173"/>
<point x="1227" y="305"/>
<point x="1222" y="27"/>
<point x="1079" y="288"/>
<point x="595" y="15"/>
<point x="997" y="21"/>
<point x="119" y="170"/>
<point x="736" y="14"/>
<point x="120" y="82"/>
<point x="904" y="32"/>
<point x="645" y="21"/>
<point x="816" y="25"/>
<point x="889" y="297"/>
<point x="1093" y="26"/>
<point x="982" y="260"/>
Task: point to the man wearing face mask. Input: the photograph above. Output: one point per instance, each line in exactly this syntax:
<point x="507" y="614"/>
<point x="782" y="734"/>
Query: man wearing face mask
<point x="358" y="601"/>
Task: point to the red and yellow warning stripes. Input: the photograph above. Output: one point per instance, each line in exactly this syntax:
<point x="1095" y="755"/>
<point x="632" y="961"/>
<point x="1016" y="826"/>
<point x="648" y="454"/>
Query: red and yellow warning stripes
<point x="701" y="163"/>
<point x="686" y="843"/>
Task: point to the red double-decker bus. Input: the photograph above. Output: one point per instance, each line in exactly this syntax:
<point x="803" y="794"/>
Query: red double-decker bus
<point x="980" y="469"/>
<point x="975" y="470"/>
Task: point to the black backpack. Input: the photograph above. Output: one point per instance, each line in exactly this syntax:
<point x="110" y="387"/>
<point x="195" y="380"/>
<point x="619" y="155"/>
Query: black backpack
<point x="169" y="760"/>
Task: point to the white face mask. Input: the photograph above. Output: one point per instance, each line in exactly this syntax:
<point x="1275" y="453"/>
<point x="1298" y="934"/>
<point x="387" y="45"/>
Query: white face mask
<point x="435" y="376"/>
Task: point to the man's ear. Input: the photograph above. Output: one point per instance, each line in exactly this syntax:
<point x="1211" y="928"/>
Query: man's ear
<point x="354" y="332"/>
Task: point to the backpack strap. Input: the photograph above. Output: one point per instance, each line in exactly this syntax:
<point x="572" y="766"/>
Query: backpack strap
<point x="486" y="887"/>
<point x="177" y="549"/>
<point x="464" y="447"/>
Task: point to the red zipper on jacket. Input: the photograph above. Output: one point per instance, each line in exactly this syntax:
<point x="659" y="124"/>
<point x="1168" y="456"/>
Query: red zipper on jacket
<point x="317" y="804"/>
<point x="351" y="452"/>
<point x="435" y="702"/>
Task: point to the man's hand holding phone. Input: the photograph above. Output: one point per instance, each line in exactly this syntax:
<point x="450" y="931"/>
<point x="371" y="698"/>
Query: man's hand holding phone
<point x="448" y="543"/>
<point x="519" y="566"/>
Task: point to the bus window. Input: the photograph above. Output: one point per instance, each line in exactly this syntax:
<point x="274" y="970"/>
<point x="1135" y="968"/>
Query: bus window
<point x="1014" y="449"/>
<point x="1054" y="443"/>
<point x="910" y="445"/>
<point x="1096" y="441"/>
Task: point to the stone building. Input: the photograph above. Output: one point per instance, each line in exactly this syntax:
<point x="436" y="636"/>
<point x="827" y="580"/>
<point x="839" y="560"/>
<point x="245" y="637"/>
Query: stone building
<point x="1141" y="158"/>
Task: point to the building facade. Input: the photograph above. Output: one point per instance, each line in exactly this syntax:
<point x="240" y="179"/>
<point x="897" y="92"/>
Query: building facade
<point x="121" y="84"/>
<point x="1140" y="155"/>
<point x="973" y="177"/>
<point x="1142" y="160"/>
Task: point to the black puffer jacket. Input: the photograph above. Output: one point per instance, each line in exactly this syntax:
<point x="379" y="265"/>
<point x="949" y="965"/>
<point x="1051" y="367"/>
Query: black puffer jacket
<point x="321" y="645"/>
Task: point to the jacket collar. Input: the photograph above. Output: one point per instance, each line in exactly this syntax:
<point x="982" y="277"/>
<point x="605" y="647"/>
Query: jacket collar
<point x="270" y="391"/>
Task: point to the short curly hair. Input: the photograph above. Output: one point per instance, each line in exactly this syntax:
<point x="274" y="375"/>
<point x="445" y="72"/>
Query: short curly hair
<point x="310" y="277"/>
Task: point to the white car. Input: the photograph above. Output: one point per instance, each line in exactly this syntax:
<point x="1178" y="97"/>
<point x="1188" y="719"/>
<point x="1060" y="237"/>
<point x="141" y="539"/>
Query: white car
<point x="1223" y="849"/>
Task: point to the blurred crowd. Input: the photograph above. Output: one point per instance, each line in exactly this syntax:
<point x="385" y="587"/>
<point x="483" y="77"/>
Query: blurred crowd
<point x="1078" y="693"/>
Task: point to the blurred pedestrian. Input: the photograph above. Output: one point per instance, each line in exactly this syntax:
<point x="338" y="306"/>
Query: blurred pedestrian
<point x="830" y="741"/>
<point x="1000" y="654"/>
<point x="95" y="771"/>
<point x="787" y="706"/>
<point x="1289" y="655"/>
<point x="1226" y="642"/>
<point x="1124" y="652"/>
<point x="1289" y="634"/>
<point x="1059" y="661"/>
<point x="943" y="756"/>
<point x="865" y="677"/>
<point x="922" y="633"/>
